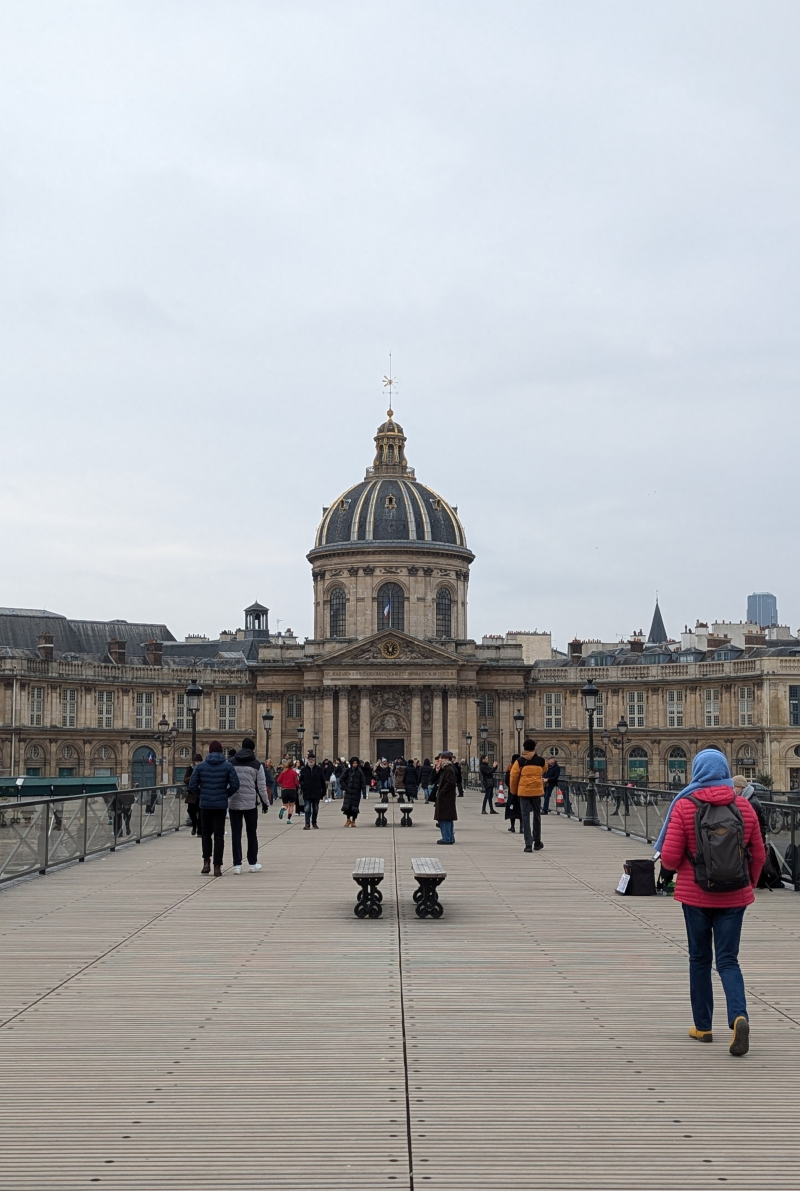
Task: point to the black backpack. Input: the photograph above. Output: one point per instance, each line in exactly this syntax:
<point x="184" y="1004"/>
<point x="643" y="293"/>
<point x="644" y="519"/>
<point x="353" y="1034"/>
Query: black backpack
<point x="721" y="861"/>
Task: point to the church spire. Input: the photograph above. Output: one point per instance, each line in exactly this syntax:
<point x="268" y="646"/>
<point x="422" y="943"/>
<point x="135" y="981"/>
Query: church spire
<point x="658" y="634"/>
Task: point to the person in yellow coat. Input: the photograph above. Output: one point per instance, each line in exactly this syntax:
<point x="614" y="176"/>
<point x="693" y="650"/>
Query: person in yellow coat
<point x="528" y="786"/>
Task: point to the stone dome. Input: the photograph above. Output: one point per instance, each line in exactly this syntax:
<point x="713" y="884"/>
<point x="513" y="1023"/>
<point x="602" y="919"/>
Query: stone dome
<point x="389" y="505"/>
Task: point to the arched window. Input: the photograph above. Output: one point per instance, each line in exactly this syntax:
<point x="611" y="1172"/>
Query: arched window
<point x="637" y="765"/>
<point x="294" y="707"/>
<point x="443" y="613"/>
<point x="391" y="607"/>
<point x="338" y="615"/>
<point x="676" y="766"/>
<point x="599" y="759"/>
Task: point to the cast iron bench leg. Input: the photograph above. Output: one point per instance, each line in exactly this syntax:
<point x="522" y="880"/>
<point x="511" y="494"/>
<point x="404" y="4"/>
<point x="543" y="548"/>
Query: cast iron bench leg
<point x="369" y="899"/>
<point x="427" y="899"/>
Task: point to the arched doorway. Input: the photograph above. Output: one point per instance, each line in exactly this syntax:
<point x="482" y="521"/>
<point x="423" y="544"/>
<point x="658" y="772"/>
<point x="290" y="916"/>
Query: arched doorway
<point x="144" y="768"/>
<point x="676" y="767"/>
<point x="637" y="765"/>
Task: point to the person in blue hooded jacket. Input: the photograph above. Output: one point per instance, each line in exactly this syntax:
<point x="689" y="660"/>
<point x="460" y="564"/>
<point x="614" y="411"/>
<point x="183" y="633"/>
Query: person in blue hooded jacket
<point x="214" y="779"/>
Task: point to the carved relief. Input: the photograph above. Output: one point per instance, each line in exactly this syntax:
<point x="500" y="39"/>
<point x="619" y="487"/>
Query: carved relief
<point x="390" y="699"/>
<point x="355" y="712"/>
<point x="413" y="570"/>
<point x="427" y="570"/>
<point x="390" y="722"/>
<point x="352" y="572"/>
<point x="407" y="653"/>
<point x="427" y="711"/>
<point x="368" y="570"/>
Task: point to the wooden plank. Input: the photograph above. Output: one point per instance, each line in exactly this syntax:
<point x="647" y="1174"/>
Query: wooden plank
<point x="427" y="866"/>
<point x="369" y="866"/>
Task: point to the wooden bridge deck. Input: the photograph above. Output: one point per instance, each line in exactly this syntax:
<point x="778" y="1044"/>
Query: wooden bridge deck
<point x="163" y="1030"/>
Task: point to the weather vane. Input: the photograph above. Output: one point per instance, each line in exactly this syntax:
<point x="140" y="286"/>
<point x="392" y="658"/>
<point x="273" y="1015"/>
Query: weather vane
<point x="390" y="383"/>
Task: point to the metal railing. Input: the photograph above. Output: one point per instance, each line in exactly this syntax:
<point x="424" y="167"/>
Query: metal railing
<point x="38" y="834"/>
<point x="640" y="812"/>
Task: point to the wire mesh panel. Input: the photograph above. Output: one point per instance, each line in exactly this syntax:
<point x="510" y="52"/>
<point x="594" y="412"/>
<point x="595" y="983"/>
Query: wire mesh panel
<point x="65" y="831"/>
<point x="99" y="822"/>
<point x="23" y="838"/>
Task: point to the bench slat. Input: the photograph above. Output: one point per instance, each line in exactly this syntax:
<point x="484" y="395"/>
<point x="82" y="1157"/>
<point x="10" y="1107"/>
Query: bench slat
<point x="427" y="866"/>
<point x="367" y="866"/>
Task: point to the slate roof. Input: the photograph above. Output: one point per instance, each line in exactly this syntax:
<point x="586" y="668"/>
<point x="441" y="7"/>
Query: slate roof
<point x="658" y="634"/>
<point x="85" y="639"/>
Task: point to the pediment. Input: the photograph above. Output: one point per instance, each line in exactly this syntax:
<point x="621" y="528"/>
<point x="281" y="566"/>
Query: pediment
<point x="378" y="650"/>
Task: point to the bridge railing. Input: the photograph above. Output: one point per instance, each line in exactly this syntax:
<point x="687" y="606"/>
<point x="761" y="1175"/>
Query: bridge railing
<point x="38" y="834"/>
<point x="640" y="812"/>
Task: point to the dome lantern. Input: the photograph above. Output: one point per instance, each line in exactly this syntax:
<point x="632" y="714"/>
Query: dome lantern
<point x="390" y="452"/>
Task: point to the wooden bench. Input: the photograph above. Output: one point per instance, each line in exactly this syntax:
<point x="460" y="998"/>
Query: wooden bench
<point x="429" y="872"/>
<point x="368" y="874"/>
<point x="380" y="814"/>
<point x="405" y="811"/>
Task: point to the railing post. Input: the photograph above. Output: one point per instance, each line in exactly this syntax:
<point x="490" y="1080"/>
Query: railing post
<point x="82" y="856"/>
<point x="795" y="857"/>
<point x="140" y="805"/>
<point x="161" y="825"/>
<point x="44" y="833"/>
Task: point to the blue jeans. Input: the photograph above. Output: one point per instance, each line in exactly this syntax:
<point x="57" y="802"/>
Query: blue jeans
<point x="448" y="834"/>
<point x="725" y="927"/>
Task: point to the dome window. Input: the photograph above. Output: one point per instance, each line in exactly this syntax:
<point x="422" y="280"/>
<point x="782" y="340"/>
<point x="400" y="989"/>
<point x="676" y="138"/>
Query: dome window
<point x="391" y="607"/>
<point x="344" y="505"/>
<point x="437" y="504"/>
<point x="338" y="612"/>
<point x="391" y="503"/>
<point x="444" y="613"/>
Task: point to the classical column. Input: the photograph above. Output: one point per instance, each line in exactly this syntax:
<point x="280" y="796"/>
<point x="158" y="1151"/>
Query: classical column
<point x="437" y="721"/>
<point x="453" y="741"/>
<point x="343" y="742"/>
<point x="275" y="700"/>
<point x="363" y="727"/>
<point x="326" y="740"/>
<point x="416" y="722"/>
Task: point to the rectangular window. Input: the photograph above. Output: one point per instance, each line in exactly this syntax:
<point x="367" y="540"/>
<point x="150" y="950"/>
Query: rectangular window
<point x="711" y="703"/>
<point x="66" y="771"/>
<point x="674" y="709"/>
<point x="105" y="709"/>
<point x="103" y="771"/>
<point x="599" y="715"/>
<point x="794" y="706"/>
<point x="636" y="709"/>
<point x="294" y="707"/>
<point x="552" y="709"/>
<point x="33" y="771"/>
<point x="227" y="713"/>
<point x="144" y="709"/>
<point x="37" y="705"/>
<point x="745" y="705"/>
<point x="794" y="779"/>
<point x="69" y="704"/>
<point x="182" y="718"/>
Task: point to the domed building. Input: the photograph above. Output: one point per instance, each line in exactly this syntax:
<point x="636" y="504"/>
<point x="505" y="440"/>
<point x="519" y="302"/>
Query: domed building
<point x="390" y="553"/>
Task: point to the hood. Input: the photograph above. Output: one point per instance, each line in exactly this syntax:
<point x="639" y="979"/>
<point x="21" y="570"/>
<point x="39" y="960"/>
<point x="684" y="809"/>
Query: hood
<point x="718" y="795"/>
<point x="245" y="757"/>
<point x="710" y="768"/>
<point x="215" y="758"/>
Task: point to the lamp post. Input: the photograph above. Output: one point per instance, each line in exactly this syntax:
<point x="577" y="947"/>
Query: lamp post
<point x="622" y="728"/>
<point x="194" y="694"/>
<point x="315" y="738"/>
<point x="300" y="734"/>
<point x="469" y="754"/>
<point x="266" y="720"/>
<point x="484" y="731"/>
<point x="162" y="736"/>
<point x="589" y="696"/>
<point x="519" y="720"/>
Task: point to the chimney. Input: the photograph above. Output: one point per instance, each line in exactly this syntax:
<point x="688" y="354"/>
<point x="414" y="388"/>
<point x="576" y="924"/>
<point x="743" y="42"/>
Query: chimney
<point x="152" y="652"/>
<point x="116" y="650"/>
<point x="636" y="645"/>
<point x="45" y="647"/>
<point x="575" y="651"/>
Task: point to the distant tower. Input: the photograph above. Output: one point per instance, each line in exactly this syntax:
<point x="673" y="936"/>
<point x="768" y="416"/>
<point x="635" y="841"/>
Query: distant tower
<point x="256" y="622"/>
<point x="658" y="634"/>
<point x="762" y="608"/>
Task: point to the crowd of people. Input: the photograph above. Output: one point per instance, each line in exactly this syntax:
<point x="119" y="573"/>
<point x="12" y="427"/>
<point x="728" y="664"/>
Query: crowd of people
<point x="712" y="843"/>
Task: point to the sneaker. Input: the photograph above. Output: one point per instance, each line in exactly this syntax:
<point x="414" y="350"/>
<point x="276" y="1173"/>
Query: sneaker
<point x="256" y="868"/>
<point x="538" y="847"/>
<point x="237" y="868"/>
<point x="289" y="821"/>
<point x="280" y="812"/>
<point x="740" y="1042"/>
<point x="701" y="1035"/>
<point x="527" y="848"/>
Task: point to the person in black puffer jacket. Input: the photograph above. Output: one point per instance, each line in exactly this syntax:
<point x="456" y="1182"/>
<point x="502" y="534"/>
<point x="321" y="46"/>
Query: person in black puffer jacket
<point x="354" y="786"/>
<point x="214" y="779"/>
<point x="425" y="777"/>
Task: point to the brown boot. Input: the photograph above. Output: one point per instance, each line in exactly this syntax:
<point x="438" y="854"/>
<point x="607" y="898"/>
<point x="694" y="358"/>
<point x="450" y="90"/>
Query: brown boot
<point x="206" y="869"/>
<point x="217" y="870"/>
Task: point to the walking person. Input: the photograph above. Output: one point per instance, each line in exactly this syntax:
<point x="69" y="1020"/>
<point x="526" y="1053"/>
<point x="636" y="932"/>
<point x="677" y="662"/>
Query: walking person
<point x="459" y="778"/>
<point x="368" y="777"/>
<point x="445" y="813"/>
<point x="486" y="771"/>
<point x="312" y="784"/>
<point x="526" y="783"/>
<point x="399" y="778"/>
<point x="512" y="811"/>
<point x="193" y="800"/>
<point x="243" y="805"/>
<point x="551" y="776"/>
<point x="288" y="781"/>
<point x="426" y="778"/>
<point x="411" y="780"/>
<point x="382" y="775"/>
<point x="713" y="843"/>
<point x="354" y="785"/>
<point x="214" y="780"/>
<point x="339" y="771"/>
<point x="269" y="777"/>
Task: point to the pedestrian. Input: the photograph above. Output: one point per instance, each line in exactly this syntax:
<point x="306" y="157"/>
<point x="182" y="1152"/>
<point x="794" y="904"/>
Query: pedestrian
<point x="526" y="782"/>
<point x="312" y="784"/>
<point x="411" y="780"/>
<point x="327" y="774"/>
<point x="426" y="778"/>
<point x="192" y="799"/>
<point x="552" y="774"/>
<point x="459" y="779"/>
<point x="269" y="777"/>
<point x="445" y="812"/>
<point x="243" y="805"/>
<point x="214" y="780"/>
<point x="512" y="811"/>
<point x="288" y="782"/>
<point x="122" y="812"/>
<point x="486" y="770"/>
<point x="353" y="788"/>
<point x="382" y="774"/>
<point x="714" y="844"/>
<point x="399" y="778"/>
<point x="369" y="777"/>
<point x="338" y="773"/>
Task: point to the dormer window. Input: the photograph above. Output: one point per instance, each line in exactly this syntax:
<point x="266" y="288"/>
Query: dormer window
<point x="437" y="504"/>
<point x="344" y="505"/>
<point x="391" y="503"/>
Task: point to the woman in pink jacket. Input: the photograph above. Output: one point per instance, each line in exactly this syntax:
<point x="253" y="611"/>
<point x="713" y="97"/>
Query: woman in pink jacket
<point x="712" y="915"/>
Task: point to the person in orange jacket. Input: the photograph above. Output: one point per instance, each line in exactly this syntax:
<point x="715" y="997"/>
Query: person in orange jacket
<point x="527" y="784"/>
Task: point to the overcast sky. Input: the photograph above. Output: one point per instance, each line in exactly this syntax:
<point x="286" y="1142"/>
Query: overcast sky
<point x="574" y="224"/>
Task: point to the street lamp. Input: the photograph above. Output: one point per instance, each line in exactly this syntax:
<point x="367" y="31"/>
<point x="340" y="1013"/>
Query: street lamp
<point x="266" y="720"/>
<point x="622" y="728"/>
<point x="589" y="696"/>
<point x="519" y="721"/>
<point x="469" y="754"/>
<point x="300" y="734"/>
<point x="162" y="736"/>
<point x="194" y="694"/>
<point x="315" y="738"/>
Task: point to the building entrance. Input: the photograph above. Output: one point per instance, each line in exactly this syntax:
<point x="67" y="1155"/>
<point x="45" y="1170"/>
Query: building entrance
<point x="390" y="749"/>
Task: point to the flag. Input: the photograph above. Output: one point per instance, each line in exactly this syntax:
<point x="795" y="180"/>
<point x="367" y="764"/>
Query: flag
<point x="387" y="609"/>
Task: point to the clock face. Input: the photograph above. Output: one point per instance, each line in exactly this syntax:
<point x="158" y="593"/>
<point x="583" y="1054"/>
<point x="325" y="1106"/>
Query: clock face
<point x="390" y="649"/>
